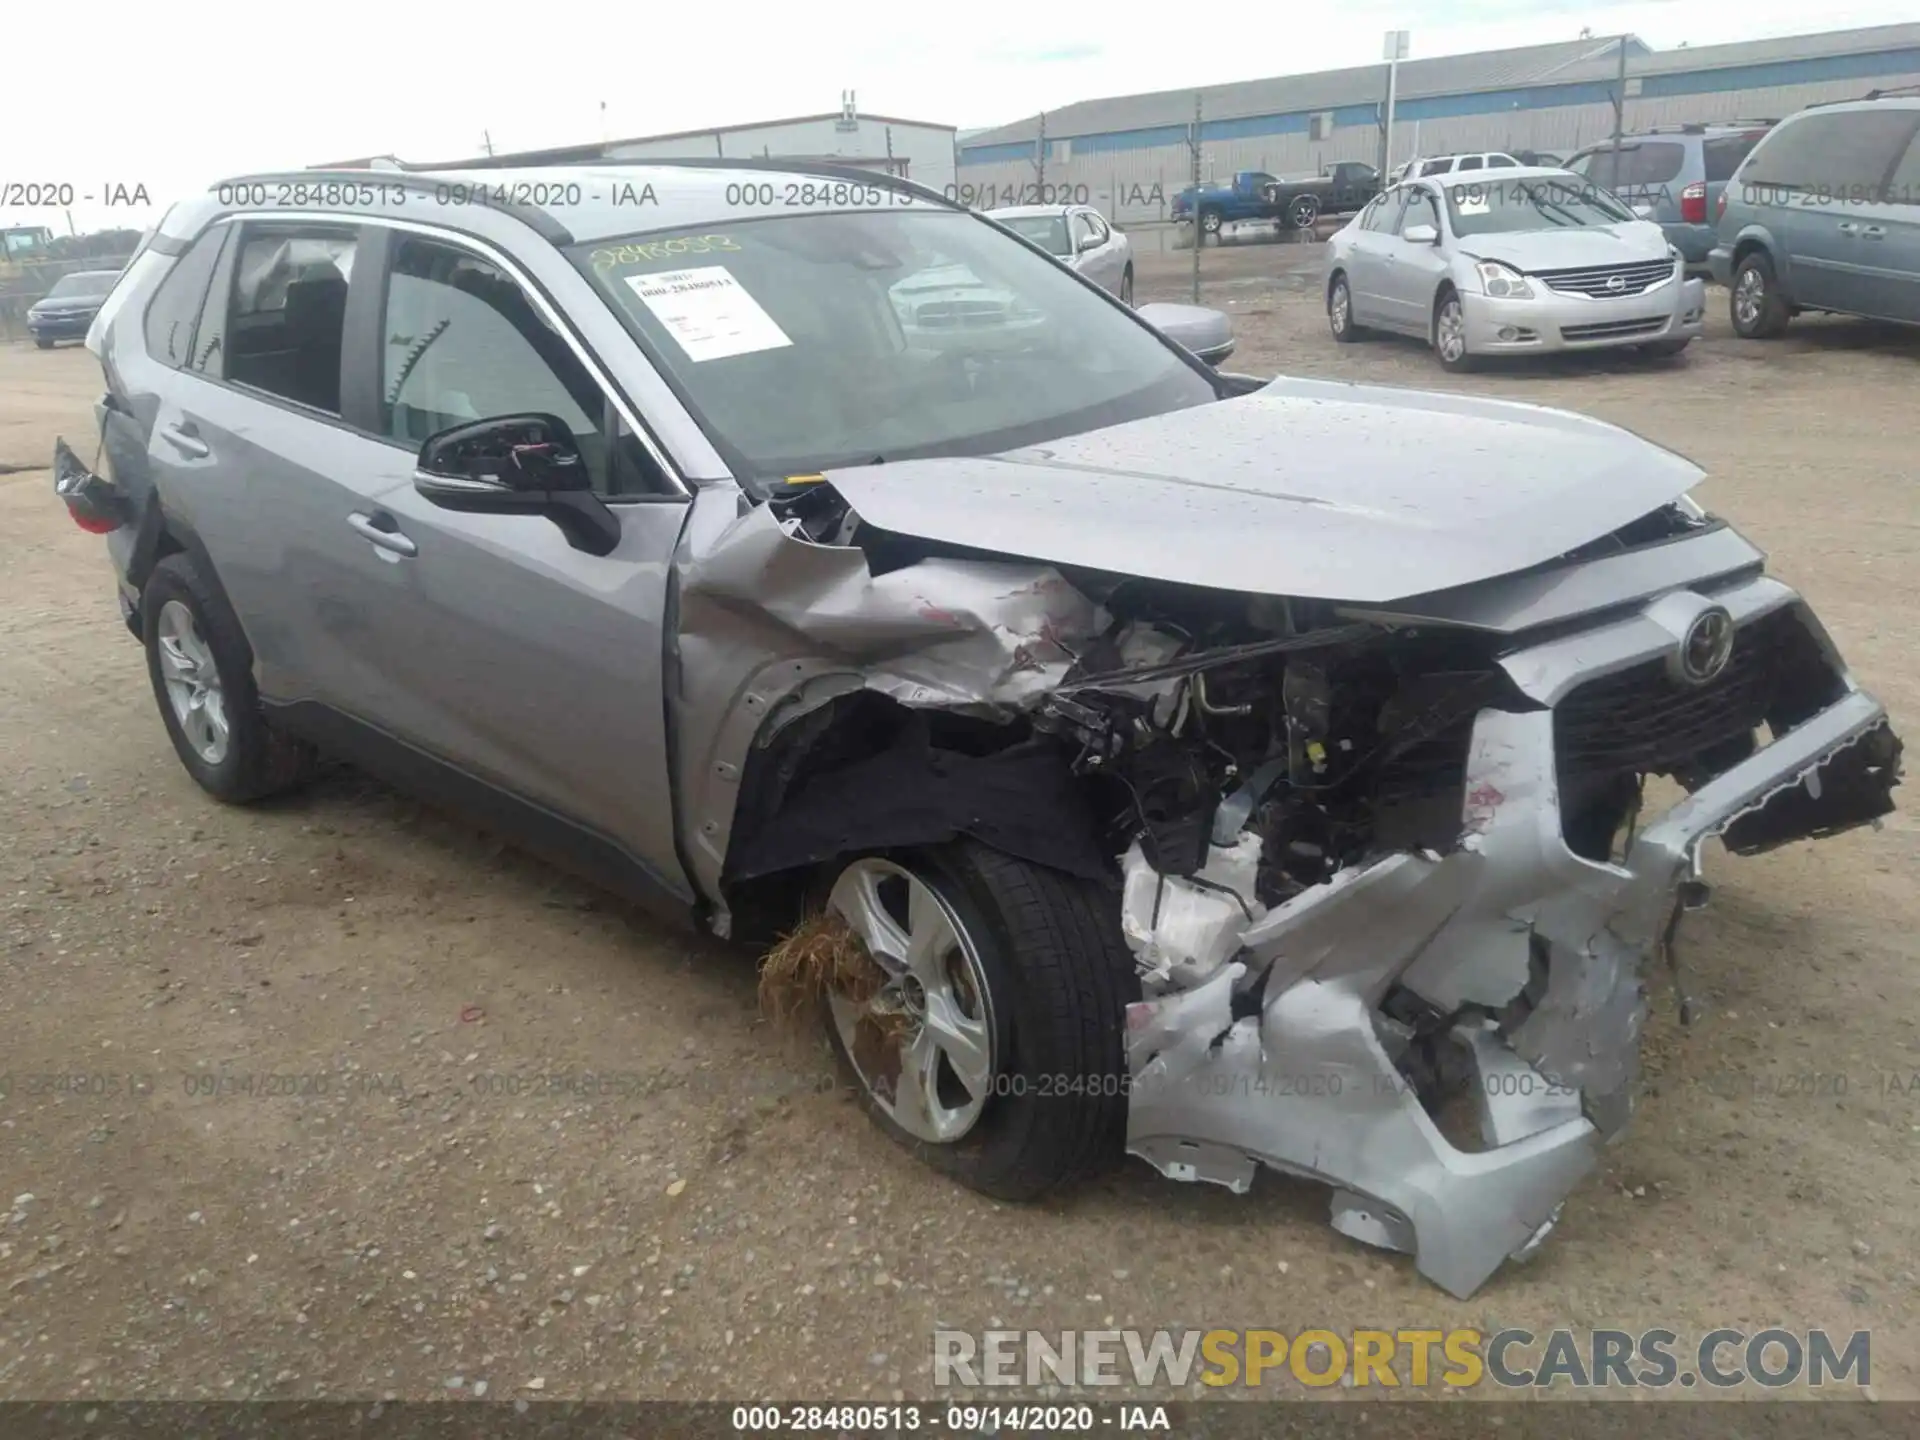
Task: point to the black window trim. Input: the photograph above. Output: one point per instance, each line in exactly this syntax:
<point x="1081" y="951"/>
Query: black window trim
<point x="370" y="247"/>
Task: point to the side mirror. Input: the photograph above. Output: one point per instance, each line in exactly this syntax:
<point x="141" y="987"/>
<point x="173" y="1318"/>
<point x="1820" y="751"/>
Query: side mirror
<point x="1420" y="235"/>
<point x="1643" y="210"/>
<point x="1084" y="243"/>
<point x="517" y="465"/>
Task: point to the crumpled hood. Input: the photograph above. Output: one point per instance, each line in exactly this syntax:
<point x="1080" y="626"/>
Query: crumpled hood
<point x="1310" y="488"/>
<point x="1628" y="243"/>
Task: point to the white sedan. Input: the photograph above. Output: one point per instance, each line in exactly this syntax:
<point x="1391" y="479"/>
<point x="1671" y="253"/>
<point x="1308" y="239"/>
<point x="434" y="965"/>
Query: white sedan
<point x="1080" y="237"/>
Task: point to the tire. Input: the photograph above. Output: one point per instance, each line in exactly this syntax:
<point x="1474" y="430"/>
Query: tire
<point x="1057" y="980"/>
<point x="187" y="627"/>
<point x="1126" y="287"/>
<point x="43" y="344"/>
<point x="1666" y="349"/>
<point x="1340" y="311"/>
<point x="1755" y="295"/>
<point x="1302" y="212"/>
<point x="1462" y="361"/>
<point x="1210" y="222"/>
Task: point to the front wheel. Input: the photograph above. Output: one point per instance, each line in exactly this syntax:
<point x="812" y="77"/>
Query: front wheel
<point x="1126" y="287"/>
<point x="1757" y="308"/>
<point x="989" y="1040"/>
<point x="1450" y="334"/>
<point x="1302" y="212"/>
<point x="1210" y="222"/>
<point x="42" y="342"/>
<point x="1340" y="312"/>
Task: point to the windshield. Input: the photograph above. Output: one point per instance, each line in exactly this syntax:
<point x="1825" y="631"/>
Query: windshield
<point x="1049" y="232"/>
<point x="92" y="283"/>
<point x="1550" y="203"/>
<point x="804" y="342"/>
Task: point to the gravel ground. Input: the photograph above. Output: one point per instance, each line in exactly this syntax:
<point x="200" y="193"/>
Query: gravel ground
<point x="403" y="1205"/>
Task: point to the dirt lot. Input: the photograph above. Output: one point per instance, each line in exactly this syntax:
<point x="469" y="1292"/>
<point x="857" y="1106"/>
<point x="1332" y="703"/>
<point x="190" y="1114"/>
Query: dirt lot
<point x="720" y="1227"/>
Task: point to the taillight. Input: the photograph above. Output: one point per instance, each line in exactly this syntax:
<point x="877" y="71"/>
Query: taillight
<point x="1693" y="203"/>
<point x="93" y="524"/>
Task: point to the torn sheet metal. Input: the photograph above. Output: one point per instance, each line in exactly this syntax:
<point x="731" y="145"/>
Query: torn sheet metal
<point x="1549" y="949"/>
<point x="772" y="624"/>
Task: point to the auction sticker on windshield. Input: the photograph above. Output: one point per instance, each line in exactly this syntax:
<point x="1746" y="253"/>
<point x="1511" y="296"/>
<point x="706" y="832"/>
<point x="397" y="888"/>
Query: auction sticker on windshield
<point x="708" y="312"/>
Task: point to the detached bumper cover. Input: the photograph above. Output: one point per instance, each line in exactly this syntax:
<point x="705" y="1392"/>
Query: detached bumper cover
<point x="1287" y="1057"/>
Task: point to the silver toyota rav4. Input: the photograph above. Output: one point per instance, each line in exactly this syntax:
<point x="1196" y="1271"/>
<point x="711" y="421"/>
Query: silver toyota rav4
<point x="1232" y="773"/>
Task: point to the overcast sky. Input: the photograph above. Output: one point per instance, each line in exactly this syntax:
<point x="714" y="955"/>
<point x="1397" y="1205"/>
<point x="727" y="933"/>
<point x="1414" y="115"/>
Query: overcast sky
<point x="173" y="97"/>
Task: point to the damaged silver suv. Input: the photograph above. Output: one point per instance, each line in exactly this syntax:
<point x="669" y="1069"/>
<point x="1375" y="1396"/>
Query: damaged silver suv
<point x="1136" y="758"/>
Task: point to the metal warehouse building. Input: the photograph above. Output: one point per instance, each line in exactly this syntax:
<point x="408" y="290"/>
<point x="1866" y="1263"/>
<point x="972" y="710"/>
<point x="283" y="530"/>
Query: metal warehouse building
<point x="1132" y="154"/>
<point x="914" y="149"/>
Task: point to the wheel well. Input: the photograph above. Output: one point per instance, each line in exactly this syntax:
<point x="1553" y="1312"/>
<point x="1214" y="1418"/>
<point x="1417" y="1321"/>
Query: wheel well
<point x="1747" y="247"/>
<point x="865" y="773"/>
<point x="1447" y="287"/>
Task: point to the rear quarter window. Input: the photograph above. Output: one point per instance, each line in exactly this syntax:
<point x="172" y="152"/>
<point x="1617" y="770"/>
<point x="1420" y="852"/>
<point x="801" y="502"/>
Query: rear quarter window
<point x="174" y="311"/>
<point x="1845" y="154"/>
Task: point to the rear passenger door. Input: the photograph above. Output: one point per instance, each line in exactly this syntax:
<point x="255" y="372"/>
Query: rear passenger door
<point x="251" y="453"/>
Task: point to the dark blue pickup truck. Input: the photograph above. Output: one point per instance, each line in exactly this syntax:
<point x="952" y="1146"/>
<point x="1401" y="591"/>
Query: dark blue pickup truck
<point x="1291" y="204"/>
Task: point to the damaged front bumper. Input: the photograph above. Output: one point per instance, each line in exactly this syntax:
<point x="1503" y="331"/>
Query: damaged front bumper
<point x="1531" y="959"/>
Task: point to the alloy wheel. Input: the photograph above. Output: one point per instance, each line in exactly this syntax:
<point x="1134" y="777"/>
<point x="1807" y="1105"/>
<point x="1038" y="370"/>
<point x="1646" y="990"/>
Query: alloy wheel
<point x="193" y="682"/>
<point x="1749" y="297"/>
<point x="922" y="1044"/>
<point x="1450" y="334"/>
<point x="1339" y="309"/>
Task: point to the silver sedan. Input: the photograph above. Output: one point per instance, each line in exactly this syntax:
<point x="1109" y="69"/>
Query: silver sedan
<point x="1080" y="237"/>
<point x="1532" y="261"/>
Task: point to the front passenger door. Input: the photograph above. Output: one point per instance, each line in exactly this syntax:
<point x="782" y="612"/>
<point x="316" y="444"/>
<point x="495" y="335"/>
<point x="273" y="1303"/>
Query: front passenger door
<point x="525" y="663"/>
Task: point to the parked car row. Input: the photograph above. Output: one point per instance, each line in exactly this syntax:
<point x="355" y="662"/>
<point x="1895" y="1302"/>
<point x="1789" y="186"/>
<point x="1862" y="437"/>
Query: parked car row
<point x="1818" y="212"/>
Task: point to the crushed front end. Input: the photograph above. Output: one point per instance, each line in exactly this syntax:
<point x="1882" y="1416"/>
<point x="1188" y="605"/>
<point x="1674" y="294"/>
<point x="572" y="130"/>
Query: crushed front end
<point x="1396" y="877"/>
<point x="1410" y="955"/>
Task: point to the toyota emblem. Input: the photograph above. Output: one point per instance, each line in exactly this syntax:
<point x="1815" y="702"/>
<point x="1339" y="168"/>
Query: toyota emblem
<point x="1705" y="648"/>
<point x="1616" y="283"/>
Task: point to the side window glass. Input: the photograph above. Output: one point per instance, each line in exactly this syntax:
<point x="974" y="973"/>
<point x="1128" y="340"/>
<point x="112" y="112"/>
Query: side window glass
<point x="1501" y="162"/>
<point x="1420" y="211"/>
<point x="461" y="341"/>
<point x="175" y="307"/>
<point x="1471" y="162"/>
<point x="288" y="313"/>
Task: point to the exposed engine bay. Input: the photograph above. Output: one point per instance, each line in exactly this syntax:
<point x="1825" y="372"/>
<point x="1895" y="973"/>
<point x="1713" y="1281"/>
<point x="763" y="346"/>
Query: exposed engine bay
<point x="1395" y="879"/>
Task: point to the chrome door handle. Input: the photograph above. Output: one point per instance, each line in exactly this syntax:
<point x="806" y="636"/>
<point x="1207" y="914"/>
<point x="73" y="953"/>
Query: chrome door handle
<point x="185" y="442"/>
<point x="1874" y="232"/>
<point x="391" y="541"/>
<point x="1847" y="227"/>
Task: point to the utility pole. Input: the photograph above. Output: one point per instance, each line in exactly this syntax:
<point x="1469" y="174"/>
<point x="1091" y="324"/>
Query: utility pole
<point x="1040" y="162"/>
<point x="1199" y="230"/>
<point x="1393" y="50"/>
<point x="1619" y="108"/>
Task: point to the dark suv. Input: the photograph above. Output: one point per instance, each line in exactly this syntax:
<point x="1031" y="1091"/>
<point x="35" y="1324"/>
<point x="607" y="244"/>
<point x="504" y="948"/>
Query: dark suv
<point x="1678" y="172"/>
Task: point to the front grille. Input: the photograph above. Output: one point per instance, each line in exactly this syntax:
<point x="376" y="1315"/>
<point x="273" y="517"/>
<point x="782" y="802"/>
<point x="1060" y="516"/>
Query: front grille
<point x="1596" y="281"/>
<point x="1613" y="329"/>
<point x="1642" y="721"/>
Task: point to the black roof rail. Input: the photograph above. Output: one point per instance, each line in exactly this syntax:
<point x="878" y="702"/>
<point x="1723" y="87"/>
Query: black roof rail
<point x="763" y="165"/>
<point x="540" y="221"/>
<point x="1892" y="92"/>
